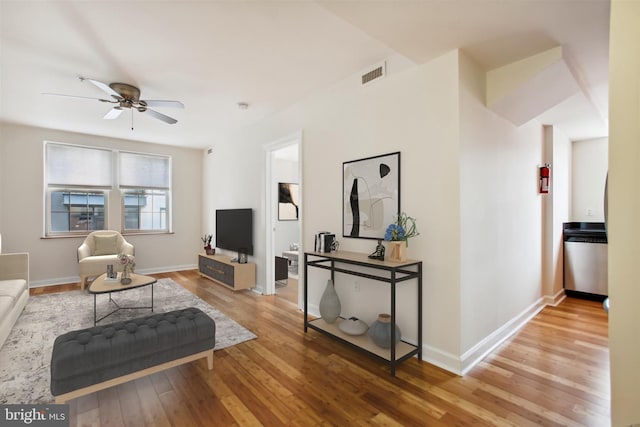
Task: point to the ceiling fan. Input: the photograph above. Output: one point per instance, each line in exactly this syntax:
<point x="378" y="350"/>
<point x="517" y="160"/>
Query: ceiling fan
<point x="126" y="96"/>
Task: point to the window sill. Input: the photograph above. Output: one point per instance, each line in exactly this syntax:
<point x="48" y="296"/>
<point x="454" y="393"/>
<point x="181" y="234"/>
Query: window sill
<point x="128" y="233"/>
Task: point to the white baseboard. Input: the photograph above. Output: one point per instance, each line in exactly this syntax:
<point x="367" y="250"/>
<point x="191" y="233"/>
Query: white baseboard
<point x="461" y="365"/>
<point x="474" y="355"/>
<point x="76" y="279"/>
<point x="555" y="299"/>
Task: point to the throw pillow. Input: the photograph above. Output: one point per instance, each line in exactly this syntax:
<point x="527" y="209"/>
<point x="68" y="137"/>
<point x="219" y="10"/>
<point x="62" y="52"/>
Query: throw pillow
<point x="105" y="245"/>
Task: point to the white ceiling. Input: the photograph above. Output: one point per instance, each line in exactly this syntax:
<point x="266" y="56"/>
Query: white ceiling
<point x="270" y="54"/>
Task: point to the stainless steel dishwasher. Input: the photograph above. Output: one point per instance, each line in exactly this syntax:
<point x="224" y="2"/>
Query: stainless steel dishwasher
<point x="585" y="260"/>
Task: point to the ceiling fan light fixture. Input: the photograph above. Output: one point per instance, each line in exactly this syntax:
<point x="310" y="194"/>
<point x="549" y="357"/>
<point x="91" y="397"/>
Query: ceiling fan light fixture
<point x="126" y="96"/>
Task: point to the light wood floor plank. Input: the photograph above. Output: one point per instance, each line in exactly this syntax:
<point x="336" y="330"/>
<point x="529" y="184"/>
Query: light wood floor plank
<point x="554" y="371"/>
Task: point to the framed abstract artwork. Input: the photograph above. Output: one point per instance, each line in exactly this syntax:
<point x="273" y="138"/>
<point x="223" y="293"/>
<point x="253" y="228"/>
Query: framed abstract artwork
<point x="288" y="201"/>
<point x="370" y="195"/>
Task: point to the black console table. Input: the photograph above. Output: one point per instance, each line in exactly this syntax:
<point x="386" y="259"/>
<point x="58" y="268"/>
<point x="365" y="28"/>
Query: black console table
<point x="392" y="273"/>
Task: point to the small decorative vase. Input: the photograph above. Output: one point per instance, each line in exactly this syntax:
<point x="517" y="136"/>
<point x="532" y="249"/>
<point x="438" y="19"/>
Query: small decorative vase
<point x="380" y="331"/>
<point x="210" y="251"/>
<point x="397" y="251"/>
<point x="353" y="326"/>
<point x="329" y="303"/>
<point x="125" y="279"/>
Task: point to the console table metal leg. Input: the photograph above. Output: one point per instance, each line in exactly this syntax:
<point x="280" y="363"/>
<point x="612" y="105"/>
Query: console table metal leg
<point x="420" y="311"/>
<point x="305" y="293"/>
<point x="393" y="323"/>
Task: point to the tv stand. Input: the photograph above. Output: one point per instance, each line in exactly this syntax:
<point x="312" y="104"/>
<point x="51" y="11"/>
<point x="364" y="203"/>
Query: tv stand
<point x="222" y="269"/>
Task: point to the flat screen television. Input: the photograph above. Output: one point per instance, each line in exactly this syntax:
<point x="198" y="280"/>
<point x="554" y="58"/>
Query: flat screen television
<point x="234" y="230"/>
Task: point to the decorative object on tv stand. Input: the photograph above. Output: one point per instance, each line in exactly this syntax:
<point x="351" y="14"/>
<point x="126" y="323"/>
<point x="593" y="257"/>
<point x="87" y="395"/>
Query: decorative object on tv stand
<point x="207" y="244"/>
<point x="353" y="326"/>
<point x="398" y="234"/>
<point x="128" y="263"/>
<point x="380" y="331"/>
<point x="379" y="252"/>
<point x="330" y="303"/>
<point x="370" y="195"/>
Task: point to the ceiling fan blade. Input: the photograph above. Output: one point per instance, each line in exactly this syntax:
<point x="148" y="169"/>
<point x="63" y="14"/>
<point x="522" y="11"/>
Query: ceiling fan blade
<point x="81" y="97"/>
<point x="159" y="103"/>
<point x="159" y="116"/>
<point x="114" y="113"/>
<point x="104" y="87"/>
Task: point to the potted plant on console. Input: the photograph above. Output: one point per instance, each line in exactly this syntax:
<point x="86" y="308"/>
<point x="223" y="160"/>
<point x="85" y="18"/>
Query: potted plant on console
<point x="207" y="244"/>
<point x="398" y="234"/>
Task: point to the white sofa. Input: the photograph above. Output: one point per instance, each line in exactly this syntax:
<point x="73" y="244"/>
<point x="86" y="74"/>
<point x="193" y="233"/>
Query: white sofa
<point x="98" y="250"/>
<point x="14" y="290"/>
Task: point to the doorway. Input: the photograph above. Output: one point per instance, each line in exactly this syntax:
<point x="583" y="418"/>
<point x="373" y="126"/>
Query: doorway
<point x="284" y="218"/>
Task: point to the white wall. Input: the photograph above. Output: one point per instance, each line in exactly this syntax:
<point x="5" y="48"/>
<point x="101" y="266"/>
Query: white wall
<point x="468" y="176"/>
<point x="590" y="161"/>
<point x="234" y="179"/>
<point x="412" y="110"/>
<point x="55" y="260"/>
<point x="624" y="205"/>
<point x="500" y="210"/>
<point x="558" y="155"/>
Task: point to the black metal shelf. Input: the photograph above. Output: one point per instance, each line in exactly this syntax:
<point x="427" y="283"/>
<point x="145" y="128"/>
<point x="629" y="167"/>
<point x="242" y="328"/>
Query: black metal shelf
<point x="384" y="271"/>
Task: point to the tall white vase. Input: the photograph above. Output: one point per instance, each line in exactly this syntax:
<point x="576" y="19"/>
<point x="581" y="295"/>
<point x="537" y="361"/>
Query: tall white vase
<point x="330" y="303"/>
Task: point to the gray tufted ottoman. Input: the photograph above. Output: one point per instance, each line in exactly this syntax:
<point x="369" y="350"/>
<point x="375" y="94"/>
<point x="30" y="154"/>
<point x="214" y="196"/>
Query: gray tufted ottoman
<point x="96" y="358"/>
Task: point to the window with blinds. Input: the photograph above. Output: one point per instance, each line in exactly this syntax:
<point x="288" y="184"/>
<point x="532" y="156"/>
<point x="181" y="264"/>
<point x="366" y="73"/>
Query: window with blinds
<point x="79" y="181"/>
<point x="145" y="183"/>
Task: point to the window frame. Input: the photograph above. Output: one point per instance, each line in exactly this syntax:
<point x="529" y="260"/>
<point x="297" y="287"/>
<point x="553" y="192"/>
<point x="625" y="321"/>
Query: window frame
<point x="123" y="211"/>
<point x="49" y="232"/>
<point x="107" y="191"/>
<point x="126" y="187"/>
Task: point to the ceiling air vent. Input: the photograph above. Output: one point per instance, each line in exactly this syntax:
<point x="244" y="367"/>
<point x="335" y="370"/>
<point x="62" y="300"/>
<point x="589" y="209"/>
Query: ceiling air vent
<point x="375" y="73"/>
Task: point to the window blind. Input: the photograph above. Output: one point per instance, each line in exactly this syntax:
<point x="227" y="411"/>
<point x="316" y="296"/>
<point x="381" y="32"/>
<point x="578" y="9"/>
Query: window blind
<point x="144" y="171"/>
<point x="72" y="165"/>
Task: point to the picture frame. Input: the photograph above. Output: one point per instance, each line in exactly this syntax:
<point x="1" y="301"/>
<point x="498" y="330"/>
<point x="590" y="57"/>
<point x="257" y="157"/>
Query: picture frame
<point x="288" y="201"/>
<point x="370" y="195"/>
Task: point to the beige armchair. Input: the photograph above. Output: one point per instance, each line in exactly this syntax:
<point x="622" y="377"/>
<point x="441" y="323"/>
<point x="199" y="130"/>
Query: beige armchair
<point x="98" y="250"/>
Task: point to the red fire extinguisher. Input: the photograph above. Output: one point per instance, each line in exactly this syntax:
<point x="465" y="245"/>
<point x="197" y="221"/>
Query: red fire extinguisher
<point x="544" y="178"/>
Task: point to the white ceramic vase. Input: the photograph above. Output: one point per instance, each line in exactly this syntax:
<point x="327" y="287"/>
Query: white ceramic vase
<point x="330" y="303"/>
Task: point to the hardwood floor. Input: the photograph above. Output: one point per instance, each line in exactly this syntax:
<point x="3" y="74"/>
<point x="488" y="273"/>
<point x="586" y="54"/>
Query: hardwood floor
<point x="555" y="371"/>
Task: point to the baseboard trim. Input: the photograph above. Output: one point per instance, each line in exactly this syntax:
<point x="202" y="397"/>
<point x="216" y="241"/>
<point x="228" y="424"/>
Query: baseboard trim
<point x="76" y="279"/>
<point x="556" y="299"/>
<point x="479" y="351"/>
<point x="463" y="364"/>
<point x="442" y="359"/>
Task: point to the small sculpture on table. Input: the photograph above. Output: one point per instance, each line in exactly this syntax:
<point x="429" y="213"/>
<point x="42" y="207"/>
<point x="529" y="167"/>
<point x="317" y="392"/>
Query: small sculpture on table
<point x="379" y="252"/>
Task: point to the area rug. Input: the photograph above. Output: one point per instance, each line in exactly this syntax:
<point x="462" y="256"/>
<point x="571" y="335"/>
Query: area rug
<point x="26" y="355"/>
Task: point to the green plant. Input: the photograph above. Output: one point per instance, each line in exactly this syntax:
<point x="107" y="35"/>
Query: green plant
<point x="402" y="229"/>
